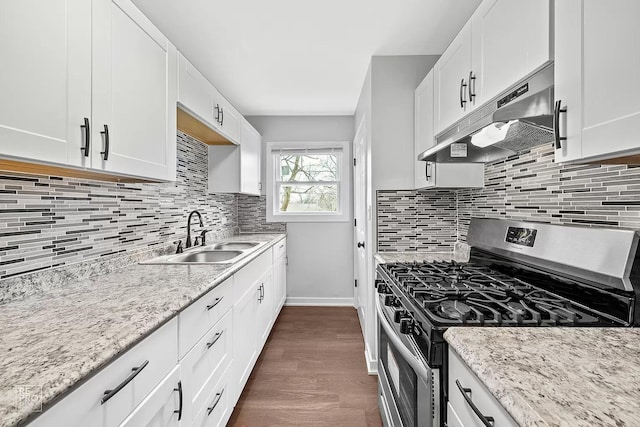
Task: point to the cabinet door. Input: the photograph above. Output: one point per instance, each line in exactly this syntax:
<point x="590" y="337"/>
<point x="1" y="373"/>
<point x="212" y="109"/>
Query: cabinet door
<point x="265" y="309"/>
<point x="279" y="285"/>
<point x="195" y="93"/>
<point x="608" y="112"/>
<point x="424" y="135"/>
<point x="134" y="93"/>
<point x="162" y="407"/>
<point x="250" y="149"/>
<point x="45" y="79"/>
<point x="510" y="40"/>
<point x="451" y="76"/>
<point x="227" y="118"/>
<point x="245" y="338"/>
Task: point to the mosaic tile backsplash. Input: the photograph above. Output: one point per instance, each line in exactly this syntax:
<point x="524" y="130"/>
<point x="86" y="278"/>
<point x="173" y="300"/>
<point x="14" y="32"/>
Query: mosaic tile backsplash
<point x="48" y="221"/>
<point x="530" y="186"/>
<point x="252" y="216"/>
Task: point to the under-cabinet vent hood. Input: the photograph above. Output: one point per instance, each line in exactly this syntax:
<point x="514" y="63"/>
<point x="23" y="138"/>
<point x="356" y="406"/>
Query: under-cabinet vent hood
<point x="518" y="119"/>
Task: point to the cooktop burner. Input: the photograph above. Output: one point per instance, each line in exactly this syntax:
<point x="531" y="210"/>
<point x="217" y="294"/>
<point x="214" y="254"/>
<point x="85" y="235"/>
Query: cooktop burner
<point x="451" y="294"/>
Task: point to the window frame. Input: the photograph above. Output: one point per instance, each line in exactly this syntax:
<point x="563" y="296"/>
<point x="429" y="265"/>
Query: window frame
<point x="343" y="185"/>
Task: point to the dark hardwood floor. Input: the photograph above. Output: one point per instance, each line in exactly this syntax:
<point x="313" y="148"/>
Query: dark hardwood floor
<point x="311" y="372"/>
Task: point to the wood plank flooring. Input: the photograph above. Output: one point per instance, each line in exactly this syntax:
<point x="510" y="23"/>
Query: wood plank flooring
<point x="311" y="372"/>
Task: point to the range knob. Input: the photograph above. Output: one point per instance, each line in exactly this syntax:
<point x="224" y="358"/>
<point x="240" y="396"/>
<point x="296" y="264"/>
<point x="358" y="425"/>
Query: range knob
<point x="382" y="288"/>
<point x="398" y="315"/>
<point x="406" y="325"/>
<point x="390" y="301"/>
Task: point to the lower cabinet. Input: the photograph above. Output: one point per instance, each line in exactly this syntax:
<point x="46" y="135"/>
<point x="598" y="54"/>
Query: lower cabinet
<point x="192" y="370"/>
<point x="470" y="401"/>
<point x="279" y="276"/>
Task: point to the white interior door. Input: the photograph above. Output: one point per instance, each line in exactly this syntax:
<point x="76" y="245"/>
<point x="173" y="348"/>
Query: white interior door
<point x="45" y="79"/>
<point x="134" y="78"/>
<point x="360" y="216"/>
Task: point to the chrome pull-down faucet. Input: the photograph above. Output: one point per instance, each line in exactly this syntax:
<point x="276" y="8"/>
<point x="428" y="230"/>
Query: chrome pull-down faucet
<point x="188" y="243"/>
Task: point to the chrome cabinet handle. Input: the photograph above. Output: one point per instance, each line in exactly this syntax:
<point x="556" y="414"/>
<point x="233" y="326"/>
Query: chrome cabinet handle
<point x="108" y="394"/>
<point x="215" y="402"/>
<point x="462" y="92"/>
<point x="426" y="171"/>
<point x="472" y="78"/>
<point x="87" y="137"/>
<point x="556" y="124"/>
<point x="217" y="108"/>
<point x="222" y="117"/>
<point x="105" y="153"/>
<point x="216" y="302"/>
<point x="466" y="393"/>
<point x="179" y="410"/>
<point x="216" y="337"/>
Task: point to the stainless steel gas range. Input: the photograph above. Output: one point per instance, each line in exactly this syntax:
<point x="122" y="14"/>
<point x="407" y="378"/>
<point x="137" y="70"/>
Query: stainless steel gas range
<point x="520" y="274"/>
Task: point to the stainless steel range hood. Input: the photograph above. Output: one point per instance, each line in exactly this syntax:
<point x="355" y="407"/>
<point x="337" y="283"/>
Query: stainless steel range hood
<point x="518" y="119"/>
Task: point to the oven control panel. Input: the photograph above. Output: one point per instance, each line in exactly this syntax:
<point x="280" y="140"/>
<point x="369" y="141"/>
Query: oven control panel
<point x="521" y="236"/>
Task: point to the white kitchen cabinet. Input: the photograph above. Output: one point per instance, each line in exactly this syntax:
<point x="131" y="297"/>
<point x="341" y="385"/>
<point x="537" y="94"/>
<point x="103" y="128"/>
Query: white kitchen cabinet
<point x="202" y="368"/>
<point x="279" y="276"/>
<point x="503" y="42"/>
<point x="432" y="174"/>
<point x="134" y="93"/>
<point x="510" y="39"/>
<point x="195" y="94"/>
<point x="236" y="169"/>
<point x="451" y="80"/>
<point x="227" y="118"/>
<point x="596" y="65"/>
<point x="45" y="79"/>
<point x="467" y="391"/>
<point x="245" y="351"/>
<point x="162" y="408"/>
<point x="91" y="85"/>
<point x="138" y="371"/>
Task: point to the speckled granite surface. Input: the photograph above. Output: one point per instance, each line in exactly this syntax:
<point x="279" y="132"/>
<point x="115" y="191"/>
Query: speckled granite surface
<point x="54" y="338"/>
<point x="557" y="376"/>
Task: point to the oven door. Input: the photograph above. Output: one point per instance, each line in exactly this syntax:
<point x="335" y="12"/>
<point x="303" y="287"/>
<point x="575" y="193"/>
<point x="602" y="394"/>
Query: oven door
<point x="408" y="396"/>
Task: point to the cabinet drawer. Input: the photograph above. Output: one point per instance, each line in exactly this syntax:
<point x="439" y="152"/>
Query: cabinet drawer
<point x="161" y="407"/>
<point x="200" y="316"/>
<point x="480" y="396"/>
<point x="83" y="407"/>
<point x="217" y="409"/>
<point x="203" y="366"/>
<point x="279" y="249"/>
<point x="250" y="273"/>
<point x="453" y="420"/>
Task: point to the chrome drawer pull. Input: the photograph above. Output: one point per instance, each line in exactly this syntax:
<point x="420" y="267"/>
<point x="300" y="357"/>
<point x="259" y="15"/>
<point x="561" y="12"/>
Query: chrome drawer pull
<point x="216" y="337"/>
<point x="216" y="302"/>
<point x="466" y="393"/>
<point x="108" y="394"/>
<point x="215" y="402"/>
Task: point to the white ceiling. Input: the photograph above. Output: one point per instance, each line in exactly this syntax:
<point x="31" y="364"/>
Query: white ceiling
<point x="301" y="57"/>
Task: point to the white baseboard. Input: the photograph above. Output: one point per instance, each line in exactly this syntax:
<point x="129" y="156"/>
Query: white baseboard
<point x="372" y="364"/>
<point x="329" y="302"/>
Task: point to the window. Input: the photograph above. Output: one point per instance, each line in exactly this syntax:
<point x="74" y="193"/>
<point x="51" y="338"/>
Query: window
<point x="308" y="182"/>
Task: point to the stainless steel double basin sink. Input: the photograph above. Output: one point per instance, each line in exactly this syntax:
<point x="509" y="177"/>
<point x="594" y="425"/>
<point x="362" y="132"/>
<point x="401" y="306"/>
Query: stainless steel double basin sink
<point x="219" y="253"/>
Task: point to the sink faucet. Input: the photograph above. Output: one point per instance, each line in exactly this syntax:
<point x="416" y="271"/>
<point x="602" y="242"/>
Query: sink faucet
<point x="188" y="243"/>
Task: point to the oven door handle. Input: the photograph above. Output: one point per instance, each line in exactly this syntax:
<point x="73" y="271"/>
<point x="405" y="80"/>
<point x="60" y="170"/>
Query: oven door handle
<point x="418" y="365"/>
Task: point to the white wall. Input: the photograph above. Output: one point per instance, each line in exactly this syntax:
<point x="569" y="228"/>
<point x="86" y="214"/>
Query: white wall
<point x="320" y="269"/>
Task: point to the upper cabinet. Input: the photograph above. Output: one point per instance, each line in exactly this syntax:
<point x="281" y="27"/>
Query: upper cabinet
<point x="432" y="174"/>
<point x="597" y="63"/>
<point x="503" y="42"/>
<point x="91" y="85"/>
<point x="210" y="117"/>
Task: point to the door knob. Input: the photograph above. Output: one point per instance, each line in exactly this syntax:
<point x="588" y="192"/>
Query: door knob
<point x="361" y="245"/>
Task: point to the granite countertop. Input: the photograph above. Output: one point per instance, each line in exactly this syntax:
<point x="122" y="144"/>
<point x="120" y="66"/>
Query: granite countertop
<point x="557" y="376"/>
<point x="51" y="340"/>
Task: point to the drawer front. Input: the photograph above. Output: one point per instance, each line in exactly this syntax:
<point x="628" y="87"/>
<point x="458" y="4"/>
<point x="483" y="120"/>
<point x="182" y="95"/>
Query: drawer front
<point x="161" y="407"/>
<point x="453" y="420"/>
<point x="203" y="366"/>
<point x="279" y="249"/>
<point x="83" y="407"/>
<point x="217" y="409"/>
<point x="480" y="396"/>
<point x="200" y="316"/>
<point x="250" y="273"/>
